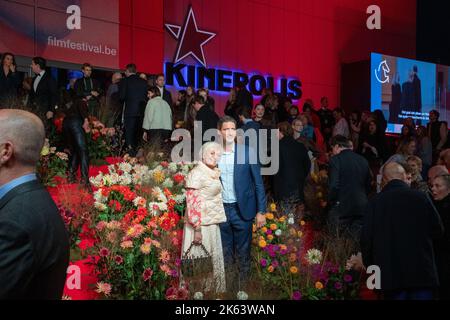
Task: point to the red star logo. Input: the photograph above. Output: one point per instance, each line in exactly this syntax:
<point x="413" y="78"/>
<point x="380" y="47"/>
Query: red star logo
<point x="190" y="39"/>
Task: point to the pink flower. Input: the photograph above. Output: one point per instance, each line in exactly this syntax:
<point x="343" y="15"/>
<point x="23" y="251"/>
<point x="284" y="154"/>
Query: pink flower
<point x="146" y="248"/>
<point x="164" y="256"/>
<point x="100" y="226"/>
<point x="118" y="260"/>
<point x="104" y="252"/>
<point x="147" y="274"/>
<point x="103" y="287"/>
<point x="126" y="244"/>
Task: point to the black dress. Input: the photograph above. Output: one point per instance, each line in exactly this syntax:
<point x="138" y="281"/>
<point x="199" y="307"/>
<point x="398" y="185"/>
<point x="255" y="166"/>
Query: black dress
<point x="442" y="249"/>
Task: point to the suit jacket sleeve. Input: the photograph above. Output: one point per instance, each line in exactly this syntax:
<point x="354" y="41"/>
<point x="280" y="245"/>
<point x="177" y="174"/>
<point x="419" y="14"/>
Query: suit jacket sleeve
<point x="54" y="96"/>
<point x="16" y="259"/>
<point x="367" y="236"/>
<point x="123" y="89"/>
<point x="259" y="188"/>
<point x="334" y="180"/>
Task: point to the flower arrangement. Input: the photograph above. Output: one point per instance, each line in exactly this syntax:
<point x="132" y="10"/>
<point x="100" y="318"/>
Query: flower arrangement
<point x="139" y="229"/>
<point x="52" y="164"/>
<point x="99" y="140"/>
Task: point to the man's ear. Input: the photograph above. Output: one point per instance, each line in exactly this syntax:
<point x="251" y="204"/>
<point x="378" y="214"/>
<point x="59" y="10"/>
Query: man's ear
<point x="6" y="152"/>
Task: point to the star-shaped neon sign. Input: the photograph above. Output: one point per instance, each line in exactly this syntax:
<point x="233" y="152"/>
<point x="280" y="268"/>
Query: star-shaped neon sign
<point x="190" y="39"/>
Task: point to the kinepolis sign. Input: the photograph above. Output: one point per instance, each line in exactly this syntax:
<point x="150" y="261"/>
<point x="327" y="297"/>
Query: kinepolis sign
<point x="191" y="40"/>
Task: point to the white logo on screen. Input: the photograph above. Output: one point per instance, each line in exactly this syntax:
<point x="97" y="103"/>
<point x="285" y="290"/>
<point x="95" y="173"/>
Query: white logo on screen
<point x="385" y="75"/>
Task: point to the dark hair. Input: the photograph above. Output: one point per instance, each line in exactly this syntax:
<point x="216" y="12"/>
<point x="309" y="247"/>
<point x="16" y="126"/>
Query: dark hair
<point x="341" y="141"/>
<point x="160" y="75"/>
<point x="40" y="62"/>
<point x="155" y="91"/>
<point x="199" y="99"/>
<point x="286" y="129"/>
<point x="243" y="111"/>
<point x="131" y="67"/>
<point x="306" y="106"/>
<point x="225" y="119"/>
<point x="404" y="143"/>
<point x="8" y="54"/>
<point x="432" y="111"/>
<point x="86" y="65"/>
<point x="183" y="92"/>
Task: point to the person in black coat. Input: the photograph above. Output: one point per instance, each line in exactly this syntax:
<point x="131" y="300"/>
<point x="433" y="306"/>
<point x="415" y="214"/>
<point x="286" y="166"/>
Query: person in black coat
<point x="44" y="91"/>
<point x="349" y="185"/>
<point x="397" y="236"/>
<point x="205" y="115"/>
<point x="441" y="194"/>
<point x="244" y="97"/>
<point x="294" y="167"/>
<point x="133" y="93"/>
<point x="165" y="94"/>
<point x="89" y="89"/>
<point x="34" y="244"/>
<point x="9" y="79"/>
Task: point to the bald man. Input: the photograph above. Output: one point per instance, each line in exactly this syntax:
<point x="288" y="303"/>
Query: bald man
<point x="34" y="246"/>
<point x="444" y="159"/>
<point x="398" y="231"/>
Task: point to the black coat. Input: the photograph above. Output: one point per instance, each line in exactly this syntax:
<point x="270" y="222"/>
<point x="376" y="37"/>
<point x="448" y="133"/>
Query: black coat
<point x="167" y="97"/>
<point x="293" y="169"/>
<point x="8" y="85"/>
<point x="34" y="245"/>
<point x="349" y="183"/>
<point x="81" y="88"/>
<point x="208" y="119"/>
<point x="399" y="226"/>
<point x="244" y="98"/>
<point x="46" y="97"/>
<point x="442" y="247"/>
<point x="133" y="92"/>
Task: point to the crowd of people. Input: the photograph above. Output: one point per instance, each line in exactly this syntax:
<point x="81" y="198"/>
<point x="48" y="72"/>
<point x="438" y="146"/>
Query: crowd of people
<point x="391" y="199"/>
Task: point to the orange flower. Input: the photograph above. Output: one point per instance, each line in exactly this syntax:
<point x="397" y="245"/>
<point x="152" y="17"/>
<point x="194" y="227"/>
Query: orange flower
<point x="293" y="270"/>
<point x="319" y="285"/>
<point x="262" y="243"/>
<point x="270" y="237"/>
<point x="273" y="227"/>
<point x="300" y="234"/>
<point x="269" y="216"/>
<point x="282" y="219"/>
<point x="264" y="229"/>
<point x="302" y="222"/>
<point x="283" y="247"/>
<point x="270" y="269"/>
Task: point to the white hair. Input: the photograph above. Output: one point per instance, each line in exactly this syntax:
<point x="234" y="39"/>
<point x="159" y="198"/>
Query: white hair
<point x="208" y="146"/>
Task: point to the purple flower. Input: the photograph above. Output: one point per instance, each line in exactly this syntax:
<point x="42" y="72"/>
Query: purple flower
<point x="263" y="263"/>
<point x="283" y="252"/>
<point x="268" y="232"/>
<point x="276" y="248"/>
<point x="296" y="295"/>
<point x="178" y="262"/>
<point x="338" y="285"/>
<point x="348" y="278"/>
<point x="275" y="263"/>
<point x="272" y="254"/>
<point x="174" y="273"/>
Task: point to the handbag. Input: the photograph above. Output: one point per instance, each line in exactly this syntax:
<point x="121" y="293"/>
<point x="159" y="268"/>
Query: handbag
<point x="194" y="266"/>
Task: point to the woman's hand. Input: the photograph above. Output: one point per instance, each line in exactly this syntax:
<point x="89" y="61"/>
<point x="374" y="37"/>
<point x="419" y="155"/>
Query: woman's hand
<point x="198" y="237"/>
<point x="144" y="136"/>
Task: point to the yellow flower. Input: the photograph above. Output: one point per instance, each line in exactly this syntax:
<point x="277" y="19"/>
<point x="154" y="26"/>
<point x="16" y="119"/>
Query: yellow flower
<point x="293" y="270"/>
<point x="158" y="176"/>
<point x="300" y="234"/>
<point x="273" y="227"/>
<point x="262" y="243"/>
<point x="319" y="285"/>
<point x="282" y="219"/>
<point x="145" y="248"/>
<point x="45" y="151"/>
<point x="302" y="222"/>
<point x="269" y="216"/>
<point x="270" y="237"/>
<point x="273" y="207"/>
<point x="270" y="269"/>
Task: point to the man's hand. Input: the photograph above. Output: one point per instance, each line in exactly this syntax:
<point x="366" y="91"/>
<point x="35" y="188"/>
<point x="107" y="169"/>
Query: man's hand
<point x="260" y="220"/>
<point x="198" y="237"/>
<point x="145" y="137"/>
<point x="95" y="93"/>
<point x="49" y="114"/>
<point x="86" y="126"/>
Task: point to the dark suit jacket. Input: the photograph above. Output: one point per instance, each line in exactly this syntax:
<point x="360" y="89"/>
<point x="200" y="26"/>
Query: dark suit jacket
<point x="167" y="97"/>
<point x="133" y="92"/>
<point x="81" y="90"/>
<point x="46" y="96"/>
<point x="399" y="226"/>
<point x="8" y="85"/>
<point x="294" y="167"/>
<point x="248" y="183"/>
<point x="349" y="183"/>
<point x="34" y="245"/>
<point x="208" y="118"/>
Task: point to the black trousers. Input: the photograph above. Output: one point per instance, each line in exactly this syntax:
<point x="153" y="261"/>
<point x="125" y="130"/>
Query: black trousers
<point x="76" y="141"/>
<point x="133" y="131"/>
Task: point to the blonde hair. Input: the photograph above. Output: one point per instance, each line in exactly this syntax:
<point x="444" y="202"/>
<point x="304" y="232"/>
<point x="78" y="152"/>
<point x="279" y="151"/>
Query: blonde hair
<point x="208" y="146"/>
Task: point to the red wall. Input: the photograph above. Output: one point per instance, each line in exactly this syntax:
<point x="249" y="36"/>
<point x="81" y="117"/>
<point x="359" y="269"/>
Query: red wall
<point x="307" y="39"/>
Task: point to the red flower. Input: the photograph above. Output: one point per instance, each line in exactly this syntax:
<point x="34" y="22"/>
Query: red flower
<point x="115" y="205"/>
<point x="118" y="260"/>
<point x="104" y="252"/>
<point x="164" y="164"/>
<point x="178" y="178"/>
<point x="148" y="273"/>
<point x="167" y="193"/>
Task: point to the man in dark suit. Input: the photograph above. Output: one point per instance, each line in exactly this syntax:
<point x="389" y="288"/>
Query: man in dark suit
<point x="133" y="92"/>
<point x="44" y="91"/>
<point x="165" y="94"/>
<point x="294" y="167"/>
<point x="89" y="90"/>
<point x="244" y="97"/>
<point x="207" y="118"/>
<point x="349" y="185"/>
<point x="244" y="201"/>
<point x="397" y="236"/>
<point x="34" y="244"/>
